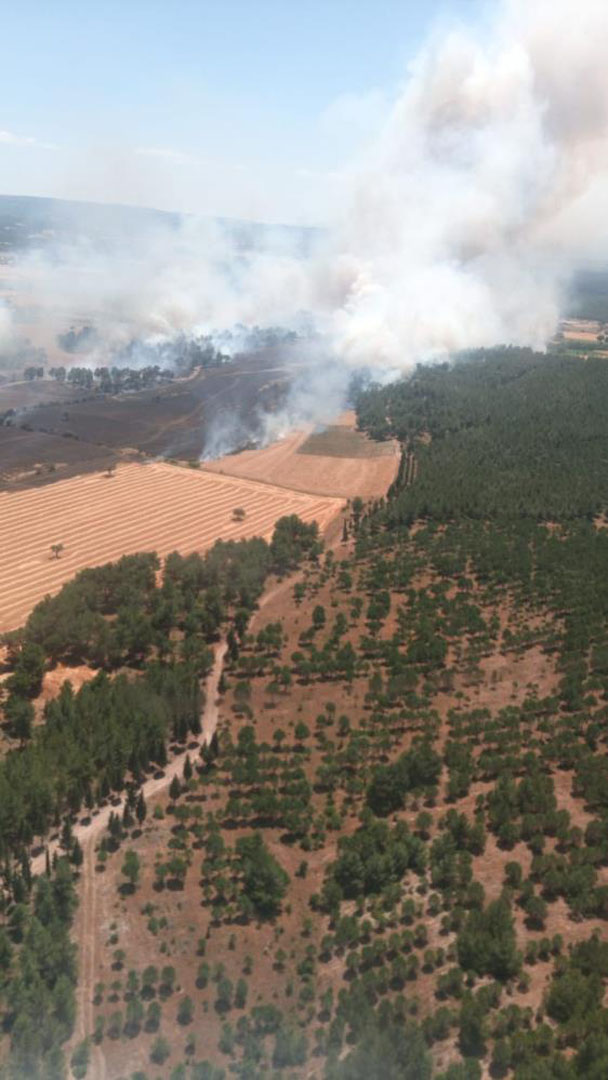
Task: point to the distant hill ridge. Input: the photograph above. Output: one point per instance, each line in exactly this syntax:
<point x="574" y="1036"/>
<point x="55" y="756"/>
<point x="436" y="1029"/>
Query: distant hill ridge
<point x="28" y="221"/>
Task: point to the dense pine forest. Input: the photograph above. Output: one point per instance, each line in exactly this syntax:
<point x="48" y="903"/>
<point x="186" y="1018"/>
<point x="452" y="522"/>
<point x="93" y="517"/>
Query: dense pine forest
<point x="502" y="434"/>
<point x="392" y="862"/>
<point x="152" y="643"/>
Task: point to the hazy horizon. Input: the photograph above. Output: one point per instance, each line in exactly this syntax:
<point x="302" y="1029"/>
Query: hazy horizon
<point x="459" y="170"/>
<point x="233" y="110"/>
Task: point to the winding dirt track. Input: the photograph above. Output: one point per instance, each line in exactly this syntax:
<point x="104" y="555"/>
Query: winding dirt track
<point x="86" y="963"/>
<point x="87" y="834"/>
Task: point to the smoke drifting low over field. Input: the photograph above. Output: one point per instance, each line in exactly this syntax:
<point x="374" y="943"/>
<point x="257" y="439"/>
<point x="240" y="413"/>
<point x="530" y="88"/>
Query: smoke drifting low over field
<point x="464" y="221"/>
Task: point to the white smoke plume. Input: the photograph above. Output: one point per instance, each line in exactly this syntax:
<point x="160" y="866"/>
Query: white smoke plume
<point x="456" y="233"/>
<point x="161" y="283"/>
<point x="464" y="218"/>
<point x="6" y="326"/>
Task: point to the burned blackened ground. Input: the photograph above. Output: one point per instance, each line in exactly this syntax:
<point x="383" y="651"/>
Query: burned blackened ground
<point x="81" y="431"/>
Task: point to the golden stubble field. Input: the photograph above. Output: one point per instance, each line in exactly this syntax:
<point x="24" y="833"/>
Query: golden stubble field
<point x="341" y="461"/>
<point x="151" y="507"/>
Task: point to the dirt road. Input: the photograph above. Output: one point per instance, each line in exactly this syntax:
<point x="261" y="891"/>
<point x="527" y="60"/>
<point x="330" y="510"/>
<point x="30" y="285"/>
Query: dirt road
<point x="86" y="832"/>
<point x="210" y="714"/>
<point x="87" y="938"/>
<point x="89" y="831"/>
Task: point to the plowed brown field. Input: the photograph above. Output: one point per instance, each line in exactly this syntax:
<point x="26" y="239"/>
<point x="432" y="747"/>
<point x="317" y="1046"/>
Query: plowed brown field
<point x="154" y="507"/>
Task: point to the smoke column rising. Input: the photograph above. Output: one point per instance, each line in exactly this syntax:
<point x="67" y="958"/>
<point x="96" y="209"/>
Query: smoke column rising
<point x="464" y="219"/>
<point x="457" y="230"/>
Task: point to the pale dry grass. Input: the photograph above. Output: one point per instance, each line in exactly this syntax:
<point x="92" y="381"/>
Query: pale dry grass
<point x="153" y="507"/>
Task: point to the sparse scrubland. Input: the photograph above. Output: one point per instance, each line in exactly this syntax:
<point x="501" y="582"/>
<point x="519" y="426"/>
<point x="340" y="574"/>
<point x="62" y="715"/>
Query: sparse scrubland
<point x="392" y="859"/>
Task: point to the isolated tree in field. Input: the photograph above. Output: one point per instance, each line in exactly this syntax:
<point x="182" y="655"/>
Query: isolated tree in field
<point x="130" y="868"/>
<point x="177" y="868"/>
<point x="239" y="513"/>
<point x="79" y="1061"/>
<point x="278" y="736"/>
<point x="223" y="1001"/>
<point x="357" y="508"/>
<point x="301" y="732"/>
<point x="56" y="549"/>
<point x="160" y="1050"/>
<point x="240" y="997"/>
<point x="299" y="592"/>
<point x="134" y="1017"/>
<point x="185" y="1012"/>
<point x="119" y="960"/>
<point x="153" y="1016"/>
<point x="167" y="981"/>
<point x="242" y="692"/>
<point x="202" y="975"/>
<point x="148" y="981"/>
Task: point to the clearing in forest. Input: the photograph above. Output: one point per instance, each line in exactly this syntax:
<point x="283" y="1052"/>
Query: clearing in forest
<point x="334" y="461"/>
<point x="155" y="507"/>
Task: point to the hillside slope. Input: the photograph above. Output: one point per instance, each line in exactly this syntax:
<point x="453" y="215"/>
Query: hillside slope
<point x="392" y="861"/>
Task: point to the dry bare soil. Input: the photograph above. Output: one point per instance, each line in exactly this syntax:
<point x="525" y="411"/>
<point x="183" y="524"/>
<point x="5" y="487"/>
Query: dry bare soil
<point x="182" y="928"/>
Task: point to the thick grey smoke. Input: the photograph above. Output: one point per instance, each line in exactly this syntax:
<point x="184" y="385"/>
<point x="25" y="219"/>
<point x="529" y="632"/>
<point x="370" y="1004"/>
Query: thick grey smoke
<point x="463" y="220"/>
<point x="477" y="199"/>
<point x="6" y="326"/>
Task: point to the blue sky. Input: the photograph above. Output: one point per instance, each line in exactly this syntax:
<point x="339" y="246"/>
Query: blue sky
<point x="237" y="107"/>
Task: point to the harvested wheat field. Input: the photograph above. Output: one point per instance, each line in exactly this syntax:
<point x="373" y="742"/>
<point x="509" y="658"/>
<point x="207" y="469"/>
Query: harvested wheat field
<point x="335" y="461"/>
<point x="153" y="507"/>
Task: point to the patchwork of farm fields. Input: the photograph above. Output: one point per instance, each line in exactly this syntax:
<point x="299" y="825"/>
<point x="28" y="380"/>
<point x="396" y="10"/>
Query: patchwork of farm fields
<point x="151" y="507"/>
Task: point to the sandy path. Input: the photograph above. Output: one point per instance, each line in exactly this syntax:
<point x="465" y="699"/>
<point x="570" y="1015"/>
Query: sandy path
<point x="87" y="834"/>
<point x="87" y="940"/>
<point x="210" y="713"/>
<point x="100" y="818"/>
